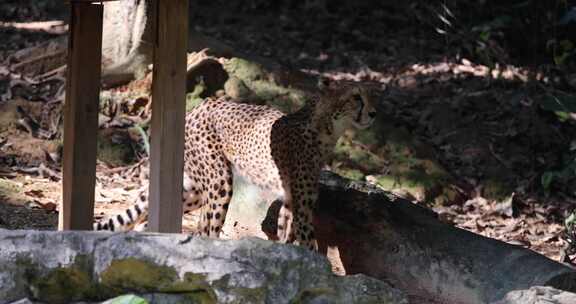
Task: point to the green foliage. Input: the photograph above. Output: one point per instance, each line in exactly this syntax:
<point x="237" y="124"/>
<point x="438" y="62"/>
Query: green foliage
<point x="505" y="32"/>
<point x="559" y="102"/>
<point x="570" y="221"/>
<point x="563" y="177"/>
<point x="564" y="106"/>
<point x="570" y="233"/>
<point x="127" y="299"/>
<point x="562" y="50"/>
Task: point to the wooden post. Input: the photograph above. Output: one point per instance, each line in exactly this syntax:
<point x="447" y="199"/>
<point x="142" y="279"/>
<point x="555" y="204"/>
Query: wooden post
<point x="168" y="111"/>
<point x="81" y="116"/>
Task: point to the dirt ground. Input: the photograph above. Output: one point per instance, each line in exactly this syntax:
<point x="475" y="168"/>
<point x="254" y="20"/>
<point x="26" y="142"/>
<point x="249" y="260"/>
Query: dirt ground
<point x="482" y="126"/>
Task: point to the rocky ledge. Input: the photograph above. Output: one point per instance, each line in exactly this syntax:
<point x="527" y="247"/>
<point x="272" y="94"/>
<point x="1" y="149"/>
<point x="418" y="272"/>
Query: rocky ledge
<point x="65" y="267"/>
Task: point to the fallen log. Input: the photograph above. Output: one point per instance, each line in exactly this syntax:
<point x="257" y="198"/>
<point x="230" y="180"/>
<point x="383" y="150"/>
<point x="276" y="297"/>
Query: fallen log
<point x="366" y="230"/>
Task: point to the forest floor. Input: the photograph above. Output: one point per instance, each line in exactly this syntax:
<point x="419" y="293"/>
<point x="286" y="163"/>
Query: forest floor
<point x="481" y="130"/>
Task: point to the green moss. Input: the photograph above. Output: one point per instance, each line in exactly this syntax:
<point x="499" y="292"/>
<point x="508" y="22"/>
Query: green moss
<point x="62" y="285"/>
<point x="250" y="295"/>
<point x="235" y="88"/>
<point x="448" y="195"/>
<point x="191" y="281"/>
<point x="422" y="178"/>
<point x="310" y="294"/>
<point x="195" y="287"/>
<point x="113" y="153"/>
<point x="389" y="183"/>
<point x="496" y="189"/>
<point x="194" y="98"/>
<point x="67" y="284"/>
<point x="352" y="174"/>
<point x="244" y="69"/>
<point x="137" y="275"/>
<point x="142" y="276"/>
<point x="357" y="156"/>
<point x="250" y="80"/>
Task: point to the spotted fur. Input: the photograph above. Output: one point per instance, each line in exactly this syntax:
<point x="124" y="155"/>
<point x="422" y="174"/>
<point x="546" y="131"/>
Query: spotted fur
<point x="280" y="153"/>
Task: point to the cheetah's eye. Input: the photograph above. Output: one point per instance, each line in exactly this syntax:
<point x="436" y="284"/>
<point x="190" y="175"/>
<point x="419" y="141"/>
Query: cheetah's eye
<point x="357" y="97"/>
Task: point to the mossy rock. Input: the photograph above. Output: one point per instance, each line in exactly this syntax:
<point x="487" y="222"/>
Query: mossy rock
<point x="62" y="285"/>
<point x="244" y="69"/>
<point x="315" y="295"/>
<point x="143" y="276"/>
<point x="111" y="152"/>
<point x="250" y="81"/>
<point x="495" y="189"/>
<point x="395" y="162"/>
<point x="194" y="98"/>
<point x="137" y="275"/>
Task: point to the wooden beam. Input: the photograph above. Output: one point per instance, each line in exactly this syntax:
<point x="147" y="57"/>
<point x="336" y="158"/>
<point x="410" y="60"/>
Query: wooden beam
<point x="89" y="1"/>
<point x="81" y="116"/>
<point x="168" y="111"/>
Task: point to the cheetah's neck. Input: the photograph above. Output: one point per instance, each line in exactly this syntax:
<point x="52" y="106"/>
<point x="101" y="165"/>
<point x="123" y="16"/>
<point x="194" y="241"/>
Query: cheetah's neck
<point x="316" y="119"/>
<point x="328" y="132"/>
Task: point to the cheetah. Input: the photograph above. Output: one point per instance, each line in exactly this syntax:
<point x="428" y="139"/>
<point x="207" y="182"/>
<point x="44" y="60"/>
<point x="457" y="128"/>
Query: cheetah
<point x="280" y="153"/>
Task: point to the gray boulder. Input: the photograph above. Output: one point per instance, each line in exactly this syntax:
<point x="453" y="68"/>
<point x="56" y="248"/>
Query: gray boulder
<point x="65" y="267"/>
<point x="539" y="295"/>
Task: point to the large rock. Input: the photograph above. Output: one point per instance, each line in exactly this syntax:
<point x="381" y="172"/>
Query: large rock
<point x="539" y="295"/>
<point x="62" y="267"/>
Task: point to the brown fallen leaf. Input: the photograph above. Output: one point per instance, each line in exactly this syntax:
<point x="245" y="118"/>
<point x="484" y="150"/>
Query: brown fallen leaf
<point x="35" y="193"/>
<point x="50" y="207"/>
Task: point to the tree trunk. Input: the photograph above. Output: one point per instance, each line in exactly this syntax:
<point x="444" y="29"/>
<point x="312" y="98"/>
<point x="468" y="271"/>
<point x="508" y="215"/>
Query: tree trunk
<point x="128" y="40"/>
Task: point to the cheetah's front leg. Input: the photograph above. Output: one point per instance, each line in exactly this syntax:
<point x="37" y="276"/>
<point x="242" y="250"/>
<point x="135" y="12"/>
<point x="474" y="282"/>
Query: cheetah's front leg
<point x="295" y="221"/>
<point x="285" y="218"/>
<point x="216" y="198"/>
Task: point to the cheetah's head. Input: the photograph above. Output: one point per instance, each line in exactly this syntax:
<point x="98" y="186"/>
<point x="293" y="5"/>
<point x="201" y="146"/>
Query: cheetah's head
<point x="350" y="105"/>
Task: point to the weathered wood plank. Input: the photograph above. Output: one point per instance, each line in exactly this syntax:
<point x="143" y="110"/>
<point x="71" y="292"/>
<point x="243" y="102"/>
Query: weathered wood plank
<point x="168" y="111"/>
<point x="88" y="1"/>
<point x="81" y="116"/>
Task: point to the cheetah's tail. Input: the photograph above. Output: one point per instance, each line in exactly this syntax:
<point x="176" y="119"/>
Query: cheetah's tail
<point x="127" y="219"/>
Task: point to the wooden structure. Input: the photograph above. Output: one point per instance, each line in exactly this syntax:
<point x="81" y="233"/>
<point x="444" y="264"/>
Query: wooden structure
<point x="81" y="115"/>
